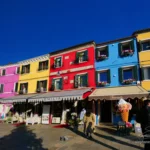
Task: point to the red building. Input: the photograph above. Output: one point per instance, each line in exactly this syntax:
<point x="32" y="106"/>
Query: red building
<point x="72" y="79"/>
<point x="73" y="67"/>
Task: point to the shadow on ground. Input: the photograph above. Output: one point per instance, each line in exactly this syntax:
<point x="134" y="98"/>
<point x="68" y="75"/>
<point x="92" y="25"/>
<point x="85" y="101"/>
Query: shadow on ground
<point x="109" y="138"/>
<point x="21" y="138"/>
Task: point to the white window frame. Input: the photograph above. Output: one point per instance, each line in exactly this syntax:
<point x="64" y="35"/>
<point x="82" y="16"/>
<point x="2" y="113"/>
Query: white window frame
<point x="61" y="60"/>
<point x="82" y="52"/>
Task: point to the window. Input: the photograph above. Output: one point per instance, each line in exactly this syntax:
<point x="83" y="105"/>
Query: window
<point x="103" y="77"/>
<point x="3" y="72"/>
<point x="42" y="86"/>
<point x="126" y="49"/>
<point x="128" y="75"/>
<point x="146" y="73"/>
<point x="81" y="56"/>
<point x="57" y="84"/>
<point x="1" y="88"/>
<point x="23" y="88"/>
<point x="17" y="70"/>
<point x="43" y="65"/>
<point x="58" y="62"/>
<point x="81" y="81"/>
<point x="145" y="45"/>
<point x="25" y="69"/>
<point x="102" y="53"/>
<point x="16" y="87"/>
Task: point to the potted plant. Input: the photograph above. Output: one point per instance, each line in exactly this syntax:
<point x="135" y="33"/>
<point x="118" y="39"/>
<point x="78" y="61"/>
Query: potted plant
<point x="128" y="81"/>
<point x="102" y="57"/>
<point x="127" y="52"/>
<point x="102" y="83"/>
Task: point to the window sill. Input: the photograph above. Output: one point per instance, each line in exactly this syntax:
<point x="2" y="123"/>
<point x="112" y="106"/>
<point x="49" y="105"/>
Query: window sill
<point x="42" y="70"/>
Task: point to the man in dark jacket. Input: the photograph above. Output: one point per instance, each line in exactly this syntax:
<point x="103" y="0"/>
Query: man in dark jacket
<point x="143" y="117"/>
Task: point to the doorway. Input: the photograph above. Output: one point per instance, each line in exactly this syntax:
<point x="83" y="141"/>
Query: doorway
<point x="105" y="108"/>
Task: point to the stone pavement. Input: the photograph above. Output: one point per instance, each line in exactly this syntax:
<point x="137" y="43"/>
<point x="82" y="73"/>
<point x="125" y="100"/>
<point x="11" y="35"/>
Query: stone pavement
<point x="45" y="137"/>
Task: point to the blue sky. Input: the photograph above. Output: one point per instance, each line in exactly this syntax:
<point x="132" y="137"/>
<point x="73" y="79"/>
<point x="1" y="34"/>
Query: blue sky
<point x="30" y="28"/>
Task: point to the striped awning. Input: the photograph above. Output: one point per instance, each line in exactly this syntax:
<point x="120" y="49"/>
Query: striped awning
<point x="60" y="95"/>
<point x="17" y="98"/>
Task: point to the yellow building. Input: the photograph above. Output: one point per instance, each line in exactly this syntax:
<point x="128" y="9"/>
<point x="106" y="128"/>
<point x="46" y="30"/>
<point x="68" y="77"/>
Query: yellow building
<point x="34" y="75"/>
<point x="143" y="38"/>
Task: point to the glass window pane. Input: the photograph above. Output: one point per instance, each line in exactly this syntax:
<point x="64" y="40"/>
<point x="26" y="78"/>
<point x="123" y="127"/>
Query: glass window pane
<point x="146" y="46"/>
<point x="103" y="76"/>
<point x="127" y="74"/>
<point x="126" y="47"/>
<point x="146" y="73"/>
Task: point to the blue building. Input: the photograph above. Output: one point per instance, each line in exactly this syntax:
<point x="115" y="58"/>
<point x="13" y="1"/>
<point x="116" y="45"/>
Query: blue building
<point x="117" y="76"/>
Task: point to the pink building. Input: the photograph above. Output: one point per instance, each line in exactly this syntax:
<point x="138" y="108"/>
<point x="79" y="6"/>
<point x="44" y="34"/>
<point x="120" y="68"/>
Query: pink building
<point x="9" y="76"/>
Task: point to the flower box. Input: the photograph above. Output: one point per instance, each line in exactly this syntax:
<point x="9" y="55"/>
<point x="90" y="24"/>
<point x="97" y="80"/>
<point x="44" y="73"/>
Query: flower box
<point x="128" y="81"/>
<point x="127" y="52"/>
<point x="102" y="57"/>
<point x="103" y="83"/>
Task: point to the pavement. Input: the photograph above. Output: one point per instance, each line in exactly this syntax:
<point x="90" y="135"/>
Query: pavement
<point x="45" y="137"/>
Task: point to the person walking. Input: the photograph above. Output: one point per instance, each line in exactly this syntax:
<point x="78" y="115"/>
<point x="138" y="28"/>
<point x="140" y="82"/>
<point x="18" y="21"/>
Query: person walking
<point x="143" y="117"/>
<point x="89" y="121"/>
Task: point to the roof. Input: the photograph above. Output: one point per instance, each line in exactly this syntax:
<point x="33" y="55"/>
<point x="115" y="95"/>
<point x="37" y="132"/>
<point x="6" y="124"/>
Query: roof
<point x="114" y="41"/>
<point x="72" y="47"/>
<point x="61" y="95"/>
<point x="141" y="31"/>
<point x="116" y="93"/>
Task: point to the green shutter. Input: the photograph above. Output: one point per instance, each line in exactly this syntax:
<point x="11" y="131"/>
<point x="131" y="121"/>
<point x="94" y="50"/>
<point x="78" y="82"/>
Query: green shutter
<point x="61" y="83"/>
<point x="46" y="67"/>
<point x="16" y="87"/>
<point x="120" y="49"/>
<point x="120" y="71"/>
<point x="96" y="77"/>
<point x="77" y="57"/>
<point x="135" y="73"/>
<point x="86" y="55"/>
<point x="142" y="73"/>
<point x="107" y="51"/>
<point x="26" y="87"/>
<point x="86" y="79"/>
<point x="140" y="46"/>
<point x="108" y="76"/>
<point x="96" y="54"/>
<point x="52" y="85"/>
<point x="45" y="85"/>
<point x="132" y="45"/>
<point x="18" y="70"/>
<point x="76" y="81"/>
<point x="38" y="85"/>
<point x="29" y="69"/>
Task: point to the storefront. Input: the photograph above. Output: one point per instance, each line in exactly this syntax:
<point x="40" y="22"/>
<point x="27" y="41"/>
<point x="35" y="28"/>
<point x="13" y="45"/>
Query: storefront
<point x="62" y="103"/>
<point x="105" y="101"/>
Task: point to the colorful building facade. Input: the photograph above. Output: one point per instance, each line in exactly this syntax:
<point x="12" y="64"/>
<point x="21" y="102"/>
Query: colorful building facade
<point x="34" y="75"/>
<point x="143" y="38"/>
<point x="73" y="67"/>
<point x="9" y="80"/>
<point x="116" y="66"/>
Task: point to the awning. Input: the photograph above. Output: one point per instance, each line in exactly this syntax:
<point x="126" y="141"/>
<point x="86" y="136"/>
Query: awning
<point x="61" y="95"/>
<point x="17" y="98"/>
<point x="116" y="93"/>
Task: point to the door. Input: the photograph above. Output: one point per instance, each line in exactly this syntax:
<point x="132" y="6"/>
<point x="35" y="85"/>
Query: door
<point x="46" y="114"/>
<point x="105" y="111"/>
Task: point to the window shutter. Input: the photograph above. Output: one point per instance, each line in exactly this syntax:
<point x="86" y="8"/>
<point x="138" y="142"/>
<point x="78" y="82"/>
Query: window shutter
<point x="96" y="77"/>
<point x="86" y="55"/>
<point x="22" y="70"/>
<point x="77" y="57"/>
<point x="108" y="76"/>
<point x="38" y="85"/>
<point x="45" y="84"/>
<point x="1" y="88"/>
<point x="86" y="79"/>
<point x="61" y="83"/>
<point x="142" y="73"/>
<point x="27" y="87"/>
<point x="53" y="85"/>
<point x="96" y="53"/>
<point x="29" y="69"/>
<point x="120" y="49"/>
<point x="76" y="81"/>
<point x="21" y="87"/>
<point x="135" y="74"/>
<point x="140" y="46"/>
<point x="132" y="45"/>
<point x="120" y="75"/>
<point x="16" y="87"/>
<point x="40" y="66"/>
<point x="46" y="64"/>
<point x="18" y="70"/>
<point x="107" y="51"/>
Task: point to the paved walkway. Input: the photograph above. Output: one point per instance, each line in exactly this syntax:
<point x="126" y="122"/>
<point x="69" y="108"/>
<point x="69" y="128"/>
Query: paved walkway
<point x="45" y="137"/>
